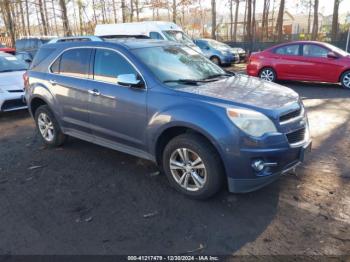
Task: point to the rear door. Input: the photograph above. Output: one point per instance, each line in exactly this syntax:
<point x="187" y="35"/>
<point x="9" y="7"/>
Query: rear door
<point x="286" y="61"/>
<point x="70" y="84"/>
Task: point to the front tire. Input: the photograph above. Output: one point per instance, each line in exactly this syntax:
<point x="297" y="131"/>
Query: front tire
<point x="216" y="60"/>
<point x="345" y="79"/>
<point x="193" y="166"/>
<point x="48" y="127"/>
<point x="268" y="74"/>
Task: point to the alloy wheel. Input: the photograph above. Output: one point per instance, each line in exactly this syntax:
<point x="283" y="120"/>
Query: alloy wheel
<point x="46" y="127"/>
<point x="268" y="75"/>
<point x="188" y="169"/>
<point x="346" y="80"/>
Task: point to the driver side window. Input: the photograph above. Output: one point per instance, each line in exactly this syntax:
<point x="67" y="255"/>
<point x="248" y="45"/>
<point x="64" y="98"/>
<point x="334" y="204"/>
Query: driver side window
<point x="109" y="65"/>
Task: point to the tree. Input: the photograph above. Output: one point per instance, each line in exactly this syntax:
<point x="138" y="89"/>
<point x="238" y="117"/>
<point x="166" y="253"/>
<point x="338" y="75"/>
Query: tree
<point x="174" y="11"/>
<point x="265" y="20"/>
<point x="335" y="22"/>
<point x="42" y="15"/>
<point x="236" y="21"/>
<point x="279" y="24"/>
<point x="123" y="11"/>
<point x="249" y="21"/>
<point x="80" y="10"/>
<point x="5" y="6"/>
<point x="213" y="19"/>
<point x="315" y="23"/>
<point x="66" y="28"/>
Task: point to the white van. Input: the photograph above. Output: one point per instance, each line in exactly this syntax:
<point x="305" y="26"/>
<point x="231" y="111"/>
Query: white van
<point x="153" y="29"/>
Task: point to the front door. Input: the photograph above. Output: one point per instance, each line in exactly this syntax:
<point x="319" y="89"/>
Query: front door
<point x="118" y="114"/>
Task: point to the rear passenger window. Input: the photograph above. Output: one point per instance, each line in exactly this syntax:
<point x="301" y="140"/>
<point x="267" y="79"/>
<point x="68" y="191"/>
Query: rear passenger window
<point x="74" y="62"/>
<point x="55" y="68"/>
<point x="109" y="65"/>
<point x="288" y="50"/>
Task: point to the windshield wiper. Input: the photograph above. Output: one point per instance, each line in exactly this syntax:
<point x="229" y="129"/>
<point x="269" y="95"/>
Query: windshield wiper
<point x="186" y="81"/>
<point x="218" y="75"/>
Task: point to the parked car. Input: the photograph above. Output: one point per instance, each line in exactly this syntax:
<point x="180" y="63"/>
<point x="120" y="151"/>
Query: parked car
<point x="31" y="45"/>
<point x="304" y="61"/>
<point x="11" y="83"/>
<point x="219" y="53"/>
<point x="5" y="49"/>
<point x="241" y="52"/>
<point x="164" y="102"/>
<point x="153" y="29"/>
<point x="24" y="56"/>
<point x="75" y="39"/>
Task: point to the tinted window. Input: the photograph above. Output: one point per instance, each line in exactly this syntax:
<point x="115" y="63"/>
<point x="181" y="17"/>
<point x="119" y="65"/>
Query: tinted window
<point x="202" y="45"/>
<point x="288" y="50"/>
<point x="55" y="68"/>
<point x="109" y="64"/>
<point x="75" y="62"/>
<point x="155" y="35"/>
<point x="314" y="51"/>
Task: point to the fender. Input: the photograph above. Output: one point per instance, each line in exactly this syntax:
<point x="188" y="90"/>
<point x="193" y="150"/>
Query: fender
<point x="201" y="119"/>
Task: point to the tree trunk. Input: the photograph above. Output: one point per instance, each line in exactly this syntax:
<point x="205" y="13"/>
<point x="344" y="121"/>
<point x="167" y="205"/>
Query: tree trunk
<point x="279" y="25"/>
<point x="253" y="20"/>
<point x="22" y="17"/>
<point x="27" y="17"/>
<point x="131" y="10"/>
<point x="265" y="20"/>
<point x="231" y="20"/>
<point x="123" y="11"/>
<point x="249" y="21"/>
<point x="213" y="19"/>
<point x="137" y="10"/>
<point x="6" y="12"/>
<point x="42" y="16"/>
<point x="47" y="17"/>
<point x="309" y="18"/>
<point x="54" y="16"/>
<point x="335" y="23"/>
<point x="80" y="12"/>
<point x="114" y="11"/>
<point x="236" y="21"/>
<point x="174" y="11"/>
<point x="66" y="28"/>
<point x="315" y="23"/>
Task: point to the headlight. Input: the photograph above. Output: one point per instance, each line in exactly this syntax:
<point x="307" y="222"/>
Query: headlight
<point x="251" y="122"/>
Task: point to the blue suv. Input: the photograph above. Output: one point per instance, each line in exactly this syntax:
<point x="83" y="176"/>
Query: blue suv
<point x="164" y="102"/>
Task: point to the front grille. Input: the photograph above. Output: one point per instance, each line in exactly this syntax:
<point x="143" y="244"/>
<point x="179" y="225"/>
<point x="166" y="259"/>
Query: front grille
<point x="296" y="136"/>
<point x="12" y="104"/>
<point x="290" y="115"/>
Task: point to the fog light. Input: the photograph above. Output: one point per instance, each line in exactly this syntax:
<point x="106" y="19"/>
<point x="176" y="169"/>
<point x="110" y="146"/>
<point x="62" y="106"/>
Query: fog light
<point x="258" y="165"/>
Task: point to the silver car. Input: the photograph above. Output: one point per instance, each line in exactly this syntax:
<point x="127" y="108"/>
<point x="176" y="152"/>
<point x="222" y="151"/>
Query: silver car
<point x="11" y="83"/>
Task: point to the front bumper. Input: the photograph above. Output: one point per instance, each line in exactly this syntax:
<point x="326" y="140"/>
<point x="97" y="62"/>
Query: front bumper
<point x="285" y="159"/>
<point x="12" y="101"/>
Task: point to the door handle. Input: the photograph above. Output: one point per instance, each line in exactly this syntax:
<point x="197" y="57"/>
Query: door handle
<point x="53" y="82"/>
<point x="94" y="92"/>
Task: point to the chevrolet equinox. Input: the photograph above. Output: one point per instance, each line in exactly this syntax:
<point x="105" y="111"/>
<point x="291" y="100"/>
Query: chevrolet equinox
<point x="164" y="102"/>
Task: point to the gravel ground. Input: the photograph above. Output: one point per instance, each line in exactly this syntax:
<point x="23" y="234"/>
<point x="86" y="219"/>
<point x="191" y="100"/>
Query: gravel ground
<point x="86" y="199"/>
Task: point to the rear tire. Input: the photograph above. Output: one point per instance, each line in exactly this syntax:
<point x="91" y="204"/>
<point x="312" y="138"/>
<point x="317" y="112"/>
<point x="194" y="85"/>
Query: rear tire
<point x="216" y="60"/>
<point x="191" y="158"/>
<point x="268" y="74"/>
<point x="48" y="127"/>
<point x="345" y="79"/>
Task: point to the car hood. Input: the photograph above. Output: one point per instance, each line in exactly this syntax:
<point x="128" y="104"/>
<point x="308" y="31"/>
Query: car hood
<point x="244" y="90"/>
<point x="11" y="80"/>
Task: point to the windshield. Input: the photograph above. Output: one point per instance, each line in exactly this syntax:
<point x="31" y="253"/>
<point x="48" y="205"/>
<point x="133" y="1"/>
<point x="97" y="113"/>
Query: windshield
<point x="337" y="50"/>
<point x="218" y="45"/>
<point x="11" y="63"/>
<point x="178" y="36"/>
<point x="172" y="63"/>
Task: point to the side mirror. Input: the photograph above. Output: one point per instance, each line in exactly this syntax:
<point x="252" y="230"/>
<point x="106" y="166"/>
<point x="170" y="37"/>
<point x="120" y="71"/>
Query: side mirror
<point x="28" y="61"/>
<point x="207" y="48"/>
<point x="332" y="55"/>
<point x="129" y="80"/>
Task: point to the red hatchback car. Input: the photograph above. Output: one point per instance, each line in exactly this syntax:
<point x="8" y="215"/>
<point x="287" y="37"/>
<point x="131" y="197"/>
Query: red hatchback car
<point x="302" y="61"/>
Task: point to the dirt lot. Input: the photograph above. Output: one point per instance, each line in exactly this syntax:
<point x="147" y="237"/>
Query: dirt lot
<point x="85" y="199"/>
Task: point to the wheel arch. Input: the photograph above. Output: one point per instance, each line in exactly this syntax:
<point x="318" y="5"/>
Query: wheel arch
<point x="342" y="73"/>
<point x="171" y="132"/>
